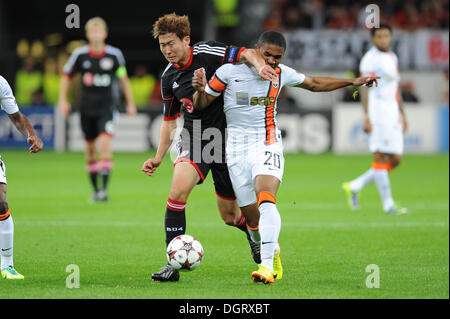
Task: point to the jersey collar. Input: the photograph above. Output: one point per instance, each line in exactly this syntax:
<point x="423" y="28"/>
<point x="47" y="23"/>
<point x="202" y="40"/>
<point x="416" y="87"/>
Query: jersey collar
<point x="97" y="54"/>
<point x="187" y="64"/>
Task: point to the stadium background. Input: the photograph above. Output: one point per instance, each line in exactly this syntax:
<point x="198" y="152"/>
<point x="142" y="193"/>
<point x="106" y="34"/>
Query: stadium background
<point x="326" y="247"/>
<point x="324" y="37"/>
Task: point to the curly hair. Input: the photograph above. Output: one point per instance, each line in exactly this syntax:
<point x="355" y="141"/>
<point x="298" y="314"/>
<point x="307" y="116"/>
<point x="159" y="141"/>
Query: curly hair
<point x="172" y="23"/>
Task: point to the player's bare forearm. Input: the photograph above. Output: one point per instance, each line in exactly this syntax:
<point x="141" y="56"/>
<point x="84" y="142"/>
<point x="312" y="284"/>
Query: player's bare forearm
<point x="126" y="89"/>
<point x="265" y="71"/>
<point x="327" y="84"/>
<point x="166" y="138"/>
<point x="22" y="124"/>
<point x="63" y="104"/>
<point x="201" y="100"/>
<point x="402" y="111"/>
<point x="64" y="88"/>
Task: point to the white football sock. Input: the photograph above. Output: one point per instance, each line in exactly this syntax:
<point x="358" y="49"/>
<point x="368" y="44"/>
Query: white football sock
<point x="269" y="228"/>
<point x="384" y="188"/>
<point x="358" y="183"/>
<point x="6" y="242"/>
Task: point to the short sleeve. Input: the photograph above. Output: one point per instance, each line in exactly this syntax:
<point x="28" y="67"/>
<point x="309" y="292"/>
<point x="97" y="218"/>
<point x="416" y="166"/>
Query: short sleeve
<point x="366" y="68"/>
<point x="7" y="99"/>
<point x="172" y="107"/>
<point x="291" y="77"/>
<point x="219" y="81"/>
<point x="121" y="69"/>
<point x="71" y="65"/>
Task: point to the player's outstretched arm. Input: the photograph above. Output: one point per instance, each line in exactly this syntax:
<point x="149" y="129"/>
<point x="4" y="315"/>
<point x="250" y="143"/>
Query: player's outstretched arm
<point x="24" y="126"/>
<point x="265" y="71"/>
<point x="165" y="140"/>
<point x="201" y="99"/>
<point x="327" y="84"/>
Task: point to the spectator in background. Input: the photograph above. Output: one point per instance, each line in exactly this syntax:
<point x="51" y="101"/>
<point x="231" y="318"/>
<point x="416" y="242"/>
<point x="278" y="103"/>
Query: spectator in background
<point x="156" y="100"/>
<point x="142" y="86"/>
<point x="37" y="98"/>
<point x="315" y="9"/>
<point x="274" y="20"/>
<point x="52" y="80"/>
<point x="296" y="19"/>
<point x="28" y="80"/>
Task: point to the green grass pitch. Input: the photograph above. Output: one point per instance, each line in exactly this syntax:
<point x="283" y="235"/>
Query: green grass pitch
<point x="325" y="247"/>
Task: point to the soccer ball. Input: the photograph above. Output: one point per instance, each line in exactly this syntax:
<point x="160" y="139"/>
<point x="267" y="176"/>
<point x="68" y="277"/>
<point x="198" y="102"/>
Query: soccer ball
<point x="184" y="252"/>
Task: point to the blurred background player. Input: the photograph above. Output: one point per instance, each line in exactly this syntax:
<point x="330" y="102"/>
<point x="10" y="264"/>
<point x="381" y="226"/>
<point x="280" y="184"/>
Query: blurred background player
<point x="99" y="65"/>
<point x="254" y="145"/>
<point x="384" y="120"/>
<point x="173" y="33"/>
<point x="9" y="105"/>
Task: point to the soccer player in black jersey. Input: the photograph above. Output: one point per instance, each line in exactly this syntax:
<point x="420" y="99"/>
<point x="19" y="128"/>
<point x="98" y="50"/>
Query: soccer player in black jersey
<point x="192" y="166"/>
<point x="100" y="65"/>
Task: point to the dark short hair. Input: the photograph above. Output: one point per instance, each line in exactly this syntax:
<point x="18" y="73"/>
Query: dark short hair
<point x="172" y="23"/>
<point x="382" y="26"/>
<point x="272" y="37"/>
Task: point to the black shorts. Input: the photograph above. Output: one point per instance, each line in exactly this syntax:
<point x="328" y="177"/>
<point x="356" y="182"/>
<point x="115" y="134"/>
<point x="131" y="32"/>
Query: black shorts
<point x="96" y="124"/>
<point x="219" y="169"/>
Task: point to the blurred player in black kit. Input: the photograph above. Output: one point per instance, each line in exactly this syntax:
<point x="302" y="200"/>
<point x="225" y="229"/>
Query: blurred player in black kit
<point x="191" y="167"/>
<point x="99" y="64"/>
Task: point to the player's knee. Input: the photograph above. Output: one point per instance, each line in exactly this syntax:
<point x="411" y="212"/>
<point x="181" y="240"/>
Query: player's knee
<point x="178" y="195"/>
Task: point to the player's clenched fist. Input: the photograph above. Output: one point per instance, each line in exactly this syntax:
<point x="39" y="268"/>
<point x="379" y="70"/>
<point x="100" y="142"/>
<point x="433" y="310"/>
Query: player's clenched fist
<point x="36" y="143"/>
<point x="199" y="81"/>
<point x="150" y="166"/>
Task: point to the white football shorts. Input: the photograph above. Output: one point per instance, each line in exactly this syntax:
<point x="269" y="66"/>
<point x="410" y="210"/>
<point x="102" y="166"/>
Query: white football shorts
<point x="386" y="139"/>
<point x="2" y="172"/>
<point x="245" y="165"/>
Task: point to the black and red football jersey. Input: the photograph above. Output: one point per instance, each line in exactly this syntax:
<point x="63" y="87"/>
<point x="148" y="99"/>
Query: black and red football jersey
<point x="99" y="72"/>
<point x="176" y="84"/>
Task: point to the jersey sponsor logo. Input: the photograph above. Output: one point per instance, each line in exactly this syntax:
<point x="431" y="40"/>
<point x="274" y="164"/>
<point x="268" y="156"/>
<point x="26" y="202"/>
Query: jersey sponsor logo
<point x="188" y="105"/>
<point x="106" y="64"/>
<point x="175" y="85"/>
<point x="98" y="80"/>
<point x="263" y="101"/>
<point x="86" y="64"/>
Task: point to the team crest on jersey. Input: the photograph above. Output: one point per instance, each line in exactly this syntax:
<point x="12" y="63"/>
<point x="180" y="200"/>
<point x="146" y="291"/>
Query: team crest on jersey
<point x="275" y="84"/>
<point x="106" y="64"/>
<point x="202" y="70"/>
<point x="188" y="105"/>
